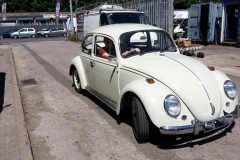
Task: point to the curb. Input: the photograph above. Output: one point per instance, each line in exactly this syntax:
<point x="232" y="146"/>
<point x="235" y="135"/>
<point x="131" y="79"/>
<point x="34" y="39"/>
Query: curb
<point x="24" y="142"/>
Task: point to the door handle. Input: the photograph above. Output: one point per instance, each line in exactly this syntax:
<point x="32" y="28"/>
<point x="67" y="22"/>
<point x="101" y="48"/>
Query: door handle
<point x="92" y="63"/>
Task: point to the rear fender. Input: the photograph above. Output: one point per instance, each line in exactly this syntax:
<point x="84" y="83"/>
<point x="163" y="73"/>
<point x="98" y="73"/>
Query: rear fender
<point x="77" y="63"/>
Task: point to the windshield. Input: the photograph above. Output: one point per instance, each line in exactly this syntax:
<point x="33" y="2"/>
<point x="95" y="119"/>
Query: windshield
<point x="143" y="42"/>
<point x="129" y="17"/>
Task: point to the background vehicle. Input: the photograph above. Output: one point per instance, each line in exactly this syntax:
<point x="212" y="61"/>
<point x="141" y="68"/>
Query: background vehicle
<point x="55" y="32"/>
<point x="7" y="34"/>
<point x="106" y="15"/>
<point x="180" y="18"/>
<point x="41" y="31"/>
<point x="24" y="32"/>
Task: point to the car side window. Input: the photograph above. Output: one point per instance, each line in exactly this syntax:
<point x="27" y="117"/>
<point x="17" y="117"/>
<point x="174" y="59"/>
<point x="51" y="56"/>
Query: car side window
<point x="54" y="29"/>
<point x="23" y="30"/>
<point x="87" y="45"/>
<point x="30" y="30"/>
<point x="104" y="45"/>
<point x="60" y="29"/>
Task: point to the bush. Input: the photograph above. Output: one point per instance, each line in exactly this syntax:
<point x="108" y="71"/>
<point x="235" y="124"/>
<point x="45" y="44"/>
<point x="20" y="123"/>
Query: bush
<point x="72" y="37"/>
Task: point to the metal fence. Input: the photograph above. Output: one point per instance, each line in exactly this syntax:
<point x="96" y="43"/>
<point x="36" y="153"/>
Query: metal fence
<point x="159" y="12"/>
<point x="37" y="27"/>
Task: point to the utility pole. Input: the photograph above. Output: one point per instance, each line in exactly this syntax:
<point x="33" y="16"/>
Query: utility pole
<point x="71" y="17"/>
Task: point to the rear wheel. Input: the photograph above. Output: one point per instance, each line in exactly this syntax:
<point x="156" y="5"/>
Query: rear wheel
<point x="15" y="37"/>
<point x="46" y="35"/>
<point x="140" y="123"/>
<point x="76" y="81"/>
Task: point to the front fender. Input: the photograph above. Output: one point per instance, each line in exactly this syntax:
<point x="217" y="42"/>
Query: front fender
<point x="152" y="97"/>
<point x="77" y="63"/>
<point x="221" y="78"/>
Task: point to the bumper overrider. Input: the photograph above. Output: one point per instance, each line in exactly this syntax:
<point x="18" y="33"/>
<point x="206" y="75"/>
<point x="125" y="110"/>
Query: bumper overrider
<point x="197" y="126"/>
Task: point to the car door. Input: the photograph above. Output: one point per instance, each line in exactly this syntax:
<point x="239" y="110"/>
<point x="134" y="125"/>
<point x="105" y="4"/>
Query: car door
<point x="104" y="71"/>
<point x="60" y="31"/>
<point x="22" y="32"/>
<point x="54" y="32"/>
<point x="86" y="51"/>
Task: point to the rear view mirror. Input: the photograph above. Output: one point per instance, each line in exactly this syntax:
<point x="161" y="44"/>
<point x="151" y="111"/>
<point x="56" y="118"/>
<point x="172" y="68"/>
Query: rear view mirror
<point x="143" y="37"/>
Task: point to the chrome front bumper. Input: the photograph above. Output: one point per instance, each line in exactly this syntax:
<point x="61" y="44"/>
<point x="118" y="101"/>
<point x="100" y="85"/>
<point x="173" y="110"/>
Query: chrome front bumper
<point x="197" y="126"/>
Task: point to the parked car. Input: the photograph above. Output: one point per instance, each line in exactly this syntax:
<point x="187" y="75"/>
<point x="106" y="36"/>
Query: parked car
<point x="176" y="93"/>
<point x="24" y="32"/>
<point x="7" y="34"/>
<point x="61" y="31"/>
<point x="41" y="31"/>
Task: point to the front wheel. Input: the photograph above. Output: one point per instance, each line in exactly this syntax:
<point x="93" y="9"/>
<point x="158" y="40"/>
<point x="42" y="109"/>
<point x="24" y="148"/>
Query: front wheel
<point x="76" y="81"/>
<point x="140" y="123"/>
<point x="33" y="36"/>
<point x="64" y="35"/>
<point x="15" y="37"/>
<point x="46" y="35"/>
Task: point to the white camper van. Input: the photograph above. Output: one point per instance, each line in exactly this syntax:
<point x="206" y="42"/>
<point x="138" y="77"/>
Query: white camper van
<point x="88" y="20"/>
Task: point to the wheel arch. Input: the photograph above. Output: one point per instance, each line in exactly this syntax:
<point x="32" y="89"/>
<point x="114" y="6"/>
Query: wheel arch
<point x="76" y="63"/>
<point x="150" y="95"/>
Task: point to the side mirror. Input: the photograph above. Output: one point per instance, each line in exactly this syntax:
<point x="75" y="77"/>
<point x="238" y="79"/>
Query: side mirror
<point x="112" y="58"/>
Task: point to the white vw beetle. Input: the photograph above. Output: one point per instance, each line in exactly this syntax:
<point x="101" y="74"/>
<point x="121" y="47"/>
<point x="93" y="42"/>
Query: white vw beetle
<point x="141" y="68"/>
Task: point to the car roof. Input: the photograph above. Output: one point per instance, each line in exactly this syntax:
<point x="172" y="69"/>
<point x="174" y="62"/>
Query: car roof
<point x="115" y="30"/>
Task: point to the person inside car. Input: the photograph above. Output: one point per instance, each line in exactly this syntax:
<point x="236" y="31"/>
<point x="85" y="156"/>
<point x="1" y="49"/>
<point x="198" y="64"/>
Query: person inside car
<point x="103" y="52"/>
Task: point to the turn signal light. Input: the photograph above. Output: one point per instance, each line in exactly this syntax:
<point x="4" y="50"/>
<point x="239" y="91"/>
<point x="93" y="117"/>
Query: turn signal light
<point x="211" y="68"/>
<point x="150" y="80"/>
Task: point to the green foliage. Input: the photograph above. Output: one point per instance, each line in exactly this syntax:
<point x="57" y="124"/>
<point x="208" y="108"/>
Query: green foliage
<point x="184" y="4"/>
<point x="72" y="37"/>
<point x="49" y="5"/>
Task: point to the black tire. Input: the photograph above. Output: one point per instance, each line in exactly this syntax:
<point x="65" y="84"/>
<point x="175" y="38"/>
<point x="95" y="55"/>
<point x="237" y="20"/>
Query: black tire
<point x="64" y="34"/>
<point x="140" y="122"/>
<point x="46" y="35"/>
<point x="15" y="37"/>
<point x="76" y="81"/>
<point x="33" y="36"/>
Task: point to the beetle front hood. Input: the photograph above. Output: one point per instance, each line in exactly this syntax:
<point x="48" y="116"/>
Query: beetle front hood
<point x="189" y="79"/>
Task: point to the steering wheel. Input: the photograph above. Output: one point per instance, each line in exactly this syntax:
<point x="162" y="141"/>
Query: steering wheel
<point x="130" y="53"/>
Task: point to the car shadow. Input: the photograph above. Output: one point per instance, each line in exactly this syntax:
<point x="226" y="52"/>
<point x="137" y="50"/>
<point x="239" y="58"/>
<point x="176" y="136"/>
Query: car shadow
<point x="165" y="141"/>
<point x="2" y="89"/>
<point x="188" y="140"/>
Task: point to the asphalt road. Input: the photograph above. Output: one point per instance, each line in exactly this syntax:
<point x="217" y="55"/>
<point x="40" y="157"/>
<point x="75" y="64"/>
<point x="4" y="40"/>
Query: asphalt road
<point x="65" y="125"/>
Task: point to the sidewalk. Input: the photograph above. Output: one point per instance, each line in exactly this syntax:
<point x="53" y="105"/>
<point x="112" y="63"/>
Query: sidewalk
<point x="14" y="141"/>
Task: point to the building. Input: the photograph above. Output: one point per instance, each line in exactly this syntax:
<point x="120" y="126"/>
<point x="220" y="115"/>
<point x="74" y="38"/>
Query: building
<point x="34" y="18"/>
<point x="231" y="21"/>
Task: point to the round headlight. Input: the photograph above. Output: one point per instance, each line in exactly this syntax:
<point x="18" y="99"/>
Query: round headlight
<point x="230" y="89"/>
<point x="172" y="105"/>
